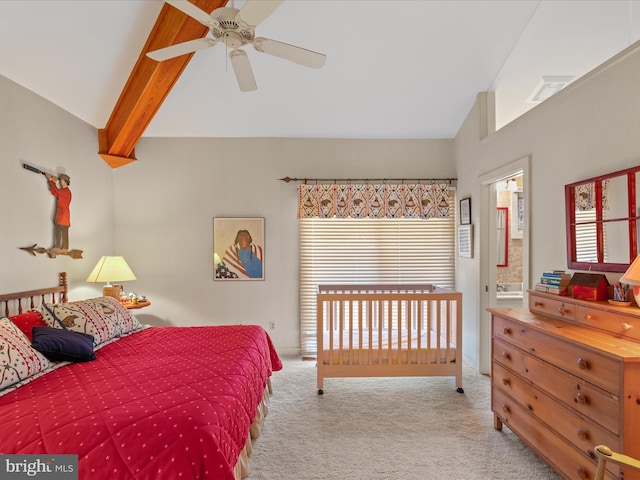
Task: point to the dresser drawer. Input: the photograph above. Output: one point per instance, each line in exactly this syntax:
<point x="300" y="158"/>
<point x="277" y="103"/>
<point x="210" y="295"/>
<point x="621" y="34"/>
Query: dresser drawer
<point x="573" y="392"/>
<point x="573" y="357"/>
<point x="618" y="324"/>
<point x="581" y="430"/>
<point x="552" y="307"/>
<point x="561" y="455"/>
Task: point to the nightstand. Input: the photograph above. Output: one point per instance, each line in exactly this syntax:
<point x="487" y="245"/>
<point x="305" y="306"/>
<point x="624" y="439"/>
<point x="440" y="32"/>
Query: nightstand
<point x="133" y="306"/>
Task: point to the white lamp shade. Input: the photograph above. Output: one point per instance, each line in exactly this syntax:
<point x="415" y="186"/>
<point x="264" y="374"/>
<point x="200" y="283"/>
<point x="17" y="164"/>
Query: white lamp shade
<point x="632" y="277"/>
<point x="111" y="269"/>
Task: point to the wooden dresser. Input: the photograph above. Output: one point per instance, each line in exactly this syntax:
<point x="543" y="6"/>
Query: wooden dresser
<point x="566" y="377"/>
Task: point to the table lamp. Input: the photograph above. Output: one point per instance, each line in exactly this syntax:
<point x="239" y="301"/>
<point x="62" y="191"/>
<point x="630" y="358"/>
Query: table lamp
<point x="632" y="277"/>
<point x="111" y="269"/>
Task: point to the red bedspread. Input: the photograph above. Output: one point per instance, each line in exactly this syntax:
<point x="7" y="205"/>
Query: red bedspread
<point x="162" y="403"/>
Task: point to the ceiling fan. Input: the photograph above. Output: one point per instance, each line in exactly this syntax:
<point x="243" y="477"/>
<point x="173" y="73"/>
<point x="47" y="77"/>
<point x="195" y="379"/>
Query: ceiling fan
<point x="236" y="28"/>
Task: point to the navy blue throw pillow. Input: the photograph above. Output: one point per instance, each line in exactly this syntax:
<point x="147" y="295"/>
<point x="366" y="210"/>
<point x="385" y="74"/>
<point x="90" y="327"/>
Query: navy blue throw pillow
<point x="63" y="345"/>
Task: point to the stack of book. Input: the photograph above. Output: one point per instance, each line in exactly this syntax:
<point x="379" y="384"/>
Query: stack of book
<point x="556" y="282"/>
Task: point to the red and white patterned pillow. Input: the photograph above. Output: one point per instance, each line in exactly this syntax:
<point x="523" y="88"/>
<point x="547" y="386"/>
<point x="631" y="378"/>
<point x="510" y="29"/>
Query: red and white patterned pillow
<point x="27" y="320"/>
<point x="103" y="318"/>
<point x="18" y="360"/>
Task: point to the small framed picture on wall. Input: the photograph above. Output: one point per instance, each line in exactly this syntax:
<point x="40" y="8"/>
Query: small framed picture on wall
<point x="465" y="241"/>
<point x="465" y="211"/>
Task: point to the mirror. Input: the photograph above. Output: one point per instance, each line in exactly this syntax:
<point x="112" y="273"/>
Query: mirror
<point x="601" y="217"/>
<point x="502" y="225"/>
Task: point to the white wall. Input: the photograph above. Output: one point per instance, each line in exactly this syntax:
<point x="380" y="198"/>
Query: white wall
<point x="588" y="129"/>
<point x="35" y="131"/>
<point x="166" y="201"/>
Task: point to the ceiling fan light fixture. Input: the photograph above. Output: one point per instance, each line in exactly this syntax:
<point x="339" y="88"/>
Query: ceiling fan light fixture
<point x="233" y="40"/>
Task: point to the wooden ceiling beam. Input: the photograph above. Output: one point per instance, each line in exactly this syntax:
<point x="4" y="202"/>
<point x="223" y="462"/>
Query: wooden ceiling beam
<point x="149" y="83"/>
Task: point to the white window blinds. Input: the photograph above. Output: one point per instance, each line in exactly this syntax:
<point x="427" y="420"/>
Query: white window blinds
<point x="370" y="251"/>
<point x="586" y="236"/>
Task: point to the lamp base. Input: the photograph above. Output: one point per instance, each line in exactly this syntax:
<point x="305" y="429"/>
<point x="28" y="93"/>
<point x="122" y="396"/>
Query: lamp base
<point x="112" y="291"/>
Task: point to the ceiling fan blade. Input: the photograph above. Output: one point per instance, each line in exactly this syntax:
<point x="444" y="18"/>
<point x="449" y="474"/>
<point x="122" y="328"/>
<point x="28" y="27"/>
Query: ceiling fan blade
<point x="242" y="69"/>
<point x="255" y="11"/>
<point x="181" y="49"/>
<point x="190" y="9"/>
<point x="299" y="55"/>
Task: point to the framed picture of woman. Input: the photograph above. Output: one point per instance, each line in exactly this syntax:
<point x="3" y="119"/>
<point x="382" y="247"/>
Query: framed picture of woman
<point x="238" y="248"/>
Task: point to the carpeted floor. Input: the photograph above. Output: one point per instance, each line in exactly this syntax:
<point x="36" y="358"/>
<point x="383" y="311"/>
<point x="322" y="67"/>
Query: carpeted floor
<point x="386" y="428"/>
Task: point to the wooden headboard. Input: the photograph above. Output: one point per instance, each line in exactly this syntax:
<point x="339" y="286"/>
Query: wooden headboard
<point x="19" y="302"/>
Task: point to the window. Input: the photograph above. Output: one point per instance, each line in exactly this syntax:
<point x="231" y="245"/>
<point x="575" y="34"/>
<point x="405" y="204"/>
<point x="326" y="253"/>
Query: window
<point x="370" y="251"/>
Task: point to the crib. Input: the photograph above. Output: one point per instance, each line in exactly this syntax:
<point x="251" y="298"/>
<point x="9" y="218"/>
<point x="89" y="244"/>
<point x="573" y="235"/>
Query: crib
<point x="388" y="331"/>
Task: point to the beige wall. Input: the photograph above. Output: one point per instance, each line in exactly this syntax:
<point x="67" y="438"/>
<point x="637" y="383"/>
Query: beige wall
<point x="166" y="202"/>
<point x="158" y="212"/>
<point x="36" y="131"/>
<point x="588" y="129"/>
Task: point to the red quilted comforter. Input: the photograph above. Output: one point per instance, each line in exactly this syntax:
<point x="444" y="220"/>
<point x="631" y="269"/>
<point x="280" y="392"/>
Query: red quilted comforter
<point x="162" y="403"/>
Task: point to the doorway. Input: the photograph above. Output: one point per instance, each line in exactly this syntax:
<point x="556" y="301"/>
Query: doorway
<point x="505" y="211"/>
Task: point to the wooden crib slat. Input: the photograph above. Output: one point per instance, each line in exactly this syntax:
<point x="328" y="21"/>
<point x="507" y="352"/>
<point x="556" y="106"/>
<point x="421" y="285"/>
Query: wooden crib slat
<point x="353" y="309"/>
<point x="410" y="330"/>
<point x="448" y="306"/>
<point x="419" y="329"/>
<point x="360" y="326"/>
<point x="370" y="330"/>
<point x="331" y="329"/>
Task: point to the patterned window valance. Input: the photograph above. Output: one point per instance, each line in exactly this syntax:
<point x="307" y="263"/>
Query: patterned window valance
<point x="374" y="201"/>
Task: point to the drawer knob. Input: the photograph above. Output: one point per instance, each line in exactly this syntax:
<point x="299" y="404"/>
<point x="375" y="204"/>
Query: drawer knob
<point x="538" y="304"/>
<point x="626" y="326"/>
<point x="582" y="364"/>
<point x="582" y="473"/>
<point x="506" y="381"/>
<point x="505" y="408"/>
<point x="507" y="331"/>
<point x="580" y="398"/>
<point x="587" y="316"/>
<point x="583" y="434"/>
<point x="506" y="355"/>
<point x="562" y="310"/>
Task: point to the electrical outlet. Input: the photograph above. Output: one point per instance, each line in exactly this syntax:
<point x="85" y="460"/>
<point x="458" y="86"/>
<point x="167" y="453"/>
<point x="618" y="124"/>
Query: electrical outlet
<point x="273" y="325"/>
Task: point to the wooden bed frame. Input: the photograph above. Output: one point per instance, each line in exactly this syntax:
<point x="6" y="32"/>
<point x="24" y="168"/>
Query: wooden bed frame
<point x="20" y="302"/>
<point x="359" y="328"/>
<point x="15" y="303"/>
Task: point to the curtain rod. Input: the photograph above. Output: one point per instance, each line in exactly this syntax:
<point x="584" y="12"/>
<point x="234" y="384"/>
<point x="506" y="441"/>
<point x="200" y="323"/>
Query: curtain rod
<point x="367" y="180"/>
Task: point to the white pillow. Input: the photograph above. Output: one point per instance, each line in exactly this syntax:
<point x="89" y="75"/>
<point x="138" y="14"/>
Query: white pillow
<point x="103" y="318"/>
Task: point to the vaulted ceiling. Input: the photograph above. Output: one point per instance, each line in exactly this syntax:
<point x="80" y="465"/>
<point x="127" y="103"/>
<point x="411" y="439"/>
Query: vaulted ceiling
<point x="395" y="68"/>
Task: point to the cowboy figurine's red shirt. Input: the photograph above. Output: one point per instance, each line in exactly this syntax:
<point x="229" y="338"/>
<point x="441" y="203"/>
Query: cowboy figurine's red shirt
<point x="63" y="214"/>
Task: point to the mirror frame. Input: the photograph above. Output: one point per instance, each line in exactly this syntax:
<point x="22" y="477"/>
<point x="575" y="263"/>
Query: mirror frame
<point x="631" y="219"/>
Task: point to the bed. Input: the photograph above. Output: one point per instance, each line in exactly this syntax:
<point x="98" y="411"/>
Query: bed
<point x="153" y="402"/>
<point x="388" y="331"/>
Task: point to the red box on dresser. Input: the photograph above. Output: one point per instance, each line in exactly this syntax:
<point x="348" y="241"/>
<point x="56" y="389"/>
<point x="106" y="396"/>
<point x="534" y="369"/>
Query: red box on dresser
<point x="589" y="286"/>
